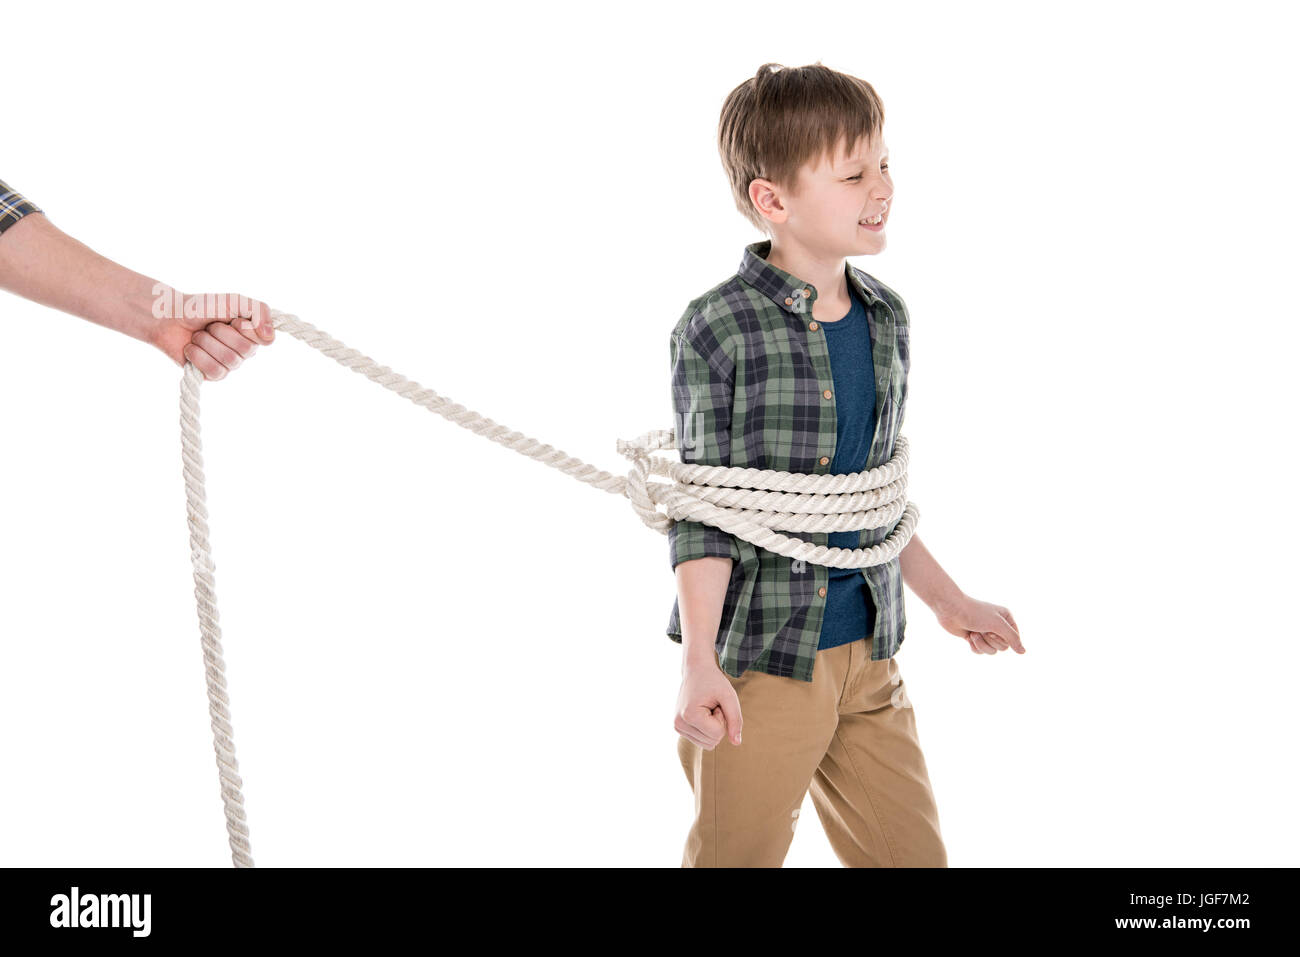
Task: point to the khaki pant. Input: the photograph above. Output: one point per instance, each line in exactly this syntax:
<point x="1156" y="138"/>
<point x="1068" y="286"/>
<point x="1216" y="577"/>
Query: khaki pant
<point x="850" y="737"/>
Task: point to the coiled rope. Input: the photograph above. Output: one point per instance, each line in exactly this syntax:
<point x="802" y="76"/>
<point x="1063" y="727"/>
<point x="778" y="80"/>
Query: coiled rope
<point x="752" y="504"/>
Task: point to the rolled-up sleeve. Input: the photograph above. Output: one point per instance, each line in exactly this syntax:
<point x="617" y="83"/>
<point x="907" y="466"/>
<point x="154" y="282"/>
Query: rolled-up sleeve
<point x="14" y="206"/>
<point x="702" y="386"/>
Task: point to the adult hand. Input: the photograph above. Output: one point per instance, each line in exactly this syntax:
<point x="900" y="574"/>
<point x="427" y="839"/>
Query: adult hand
<point x="215" y="331"/>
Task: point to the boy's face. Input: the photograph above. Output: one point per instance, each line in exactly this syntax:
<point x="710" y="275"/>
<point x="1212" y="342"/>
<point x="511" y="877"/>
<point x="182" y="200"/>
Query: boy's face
<point x="831" y="198"/>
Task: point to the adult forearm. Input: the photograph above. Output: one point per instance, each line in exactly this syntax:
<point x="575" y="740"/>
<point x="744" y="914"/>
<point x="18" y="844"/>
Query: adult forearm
<point x="701" y="592"/>
<point x="925" y="577"/>
<point x="40" y="262"/>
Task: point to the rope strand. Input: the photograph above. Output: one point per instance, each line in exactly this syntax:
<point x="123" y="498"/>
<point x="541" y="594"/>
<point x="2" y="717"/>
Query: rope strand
<point x="205" y="591"/>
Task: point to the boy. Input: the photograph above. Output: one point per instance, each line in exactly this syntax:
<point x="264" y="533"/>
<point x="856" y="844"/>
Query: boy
<point x="799" y="363"/>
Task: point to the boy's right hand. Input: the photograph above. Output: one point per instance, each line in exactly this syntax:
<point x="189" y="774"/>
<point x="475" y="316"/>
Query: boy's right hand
<point x="707" y="707"/>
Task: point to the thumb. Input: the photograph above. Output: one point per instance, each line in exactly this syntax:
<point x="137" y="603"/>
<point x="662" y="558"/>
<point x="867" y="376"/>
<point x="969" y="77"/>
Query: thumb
<point x="262" y="320"/>
<point x="730" y="706"/>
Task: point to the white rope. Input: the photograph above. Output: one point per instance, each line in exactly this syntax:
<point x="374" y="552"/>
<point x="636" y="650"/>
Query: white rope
<point x="205" y="591"/>
<point x="751" y="504"/>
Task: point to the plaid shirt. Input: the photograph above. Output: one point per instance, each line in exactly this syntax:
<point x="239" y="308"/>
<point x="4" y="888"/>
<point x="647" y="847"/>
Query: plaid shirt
<point x="14" y="206"/>
<point x="752" y="388"/>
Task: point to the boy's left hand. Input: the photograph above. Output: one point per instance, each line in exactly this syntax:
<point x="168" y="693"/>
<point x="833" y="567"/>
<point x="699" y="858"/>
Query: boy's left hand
<point x="989" y="628"/>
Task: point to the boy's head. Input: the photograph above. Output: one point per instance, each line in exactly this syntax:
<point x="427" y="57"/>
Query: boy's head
<point x="804" y="151"/>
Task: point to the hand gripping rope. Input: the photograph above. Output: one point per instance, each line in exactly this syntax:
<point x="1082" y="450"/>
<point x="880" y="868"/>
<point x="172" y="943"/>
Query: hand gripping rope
<point x="751" y="504"/>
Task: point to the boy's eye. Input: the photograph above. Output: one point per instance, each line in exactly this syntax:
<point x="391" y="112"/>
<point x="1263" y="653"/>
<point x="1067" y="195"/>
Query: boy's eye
<point x="884" y="166"/>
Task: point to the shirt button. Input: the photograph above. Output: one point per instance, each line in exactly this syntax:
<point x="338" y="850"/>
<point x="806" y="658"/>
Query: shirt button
<point x="822" y="591"/>
<point x="789" y="301"/>
<point x="826" y="394"/>
<point x="812" y="326"/>
<point x="824" y="460"/>
<point x="807" y="293"/>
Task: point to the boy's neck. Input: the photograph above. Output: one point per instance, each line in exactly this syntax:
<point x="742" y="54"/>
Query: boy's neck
<point x="825" y="274"/>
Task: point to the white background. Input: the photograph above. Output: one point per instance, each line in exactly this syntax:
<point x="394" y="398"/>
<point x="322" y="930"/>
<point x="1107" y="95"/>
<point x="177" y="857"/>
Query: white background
<point x="440" y="652"/>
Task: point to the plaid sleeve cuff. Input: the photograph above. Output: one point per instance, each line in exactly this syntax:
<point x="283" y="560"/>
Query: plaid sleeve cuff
<point x="14" y="206"/>
<point x="690" y="540"/>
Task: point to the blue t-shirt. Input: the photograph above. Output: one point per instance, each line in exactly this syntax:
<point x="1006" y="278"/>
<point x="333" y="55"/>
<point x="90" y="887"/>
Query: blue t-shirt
<point x="850" y="611"/>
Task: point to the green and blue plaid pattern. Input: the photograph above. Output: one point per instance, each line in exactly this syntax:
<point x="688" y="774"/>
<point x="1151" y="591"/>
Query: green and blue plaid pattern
<point x="14" y="206"/>
<point x="752" y="388"/>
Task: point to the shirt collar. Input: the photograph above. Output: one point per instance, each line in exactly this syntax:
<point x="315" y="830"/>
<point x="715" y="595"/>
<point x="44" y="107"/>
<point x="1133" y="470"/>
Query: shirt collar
<point x="785" y="289"/>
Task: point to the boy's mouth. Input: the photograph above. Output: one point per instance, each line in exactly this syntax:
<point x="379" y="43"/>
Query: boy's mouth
<point x="876" y="225"/>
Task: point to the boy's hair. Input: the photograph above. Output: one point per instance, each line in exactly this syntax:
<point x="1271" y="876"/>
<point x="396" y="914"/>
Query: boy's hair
<point x="785" y="116"/>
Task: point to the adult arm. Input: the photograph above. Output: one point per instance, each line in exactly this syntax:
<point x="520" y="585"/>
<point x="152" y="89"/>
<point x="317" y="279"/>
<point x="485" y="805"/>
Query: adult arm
<point x="40" y="262"/>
